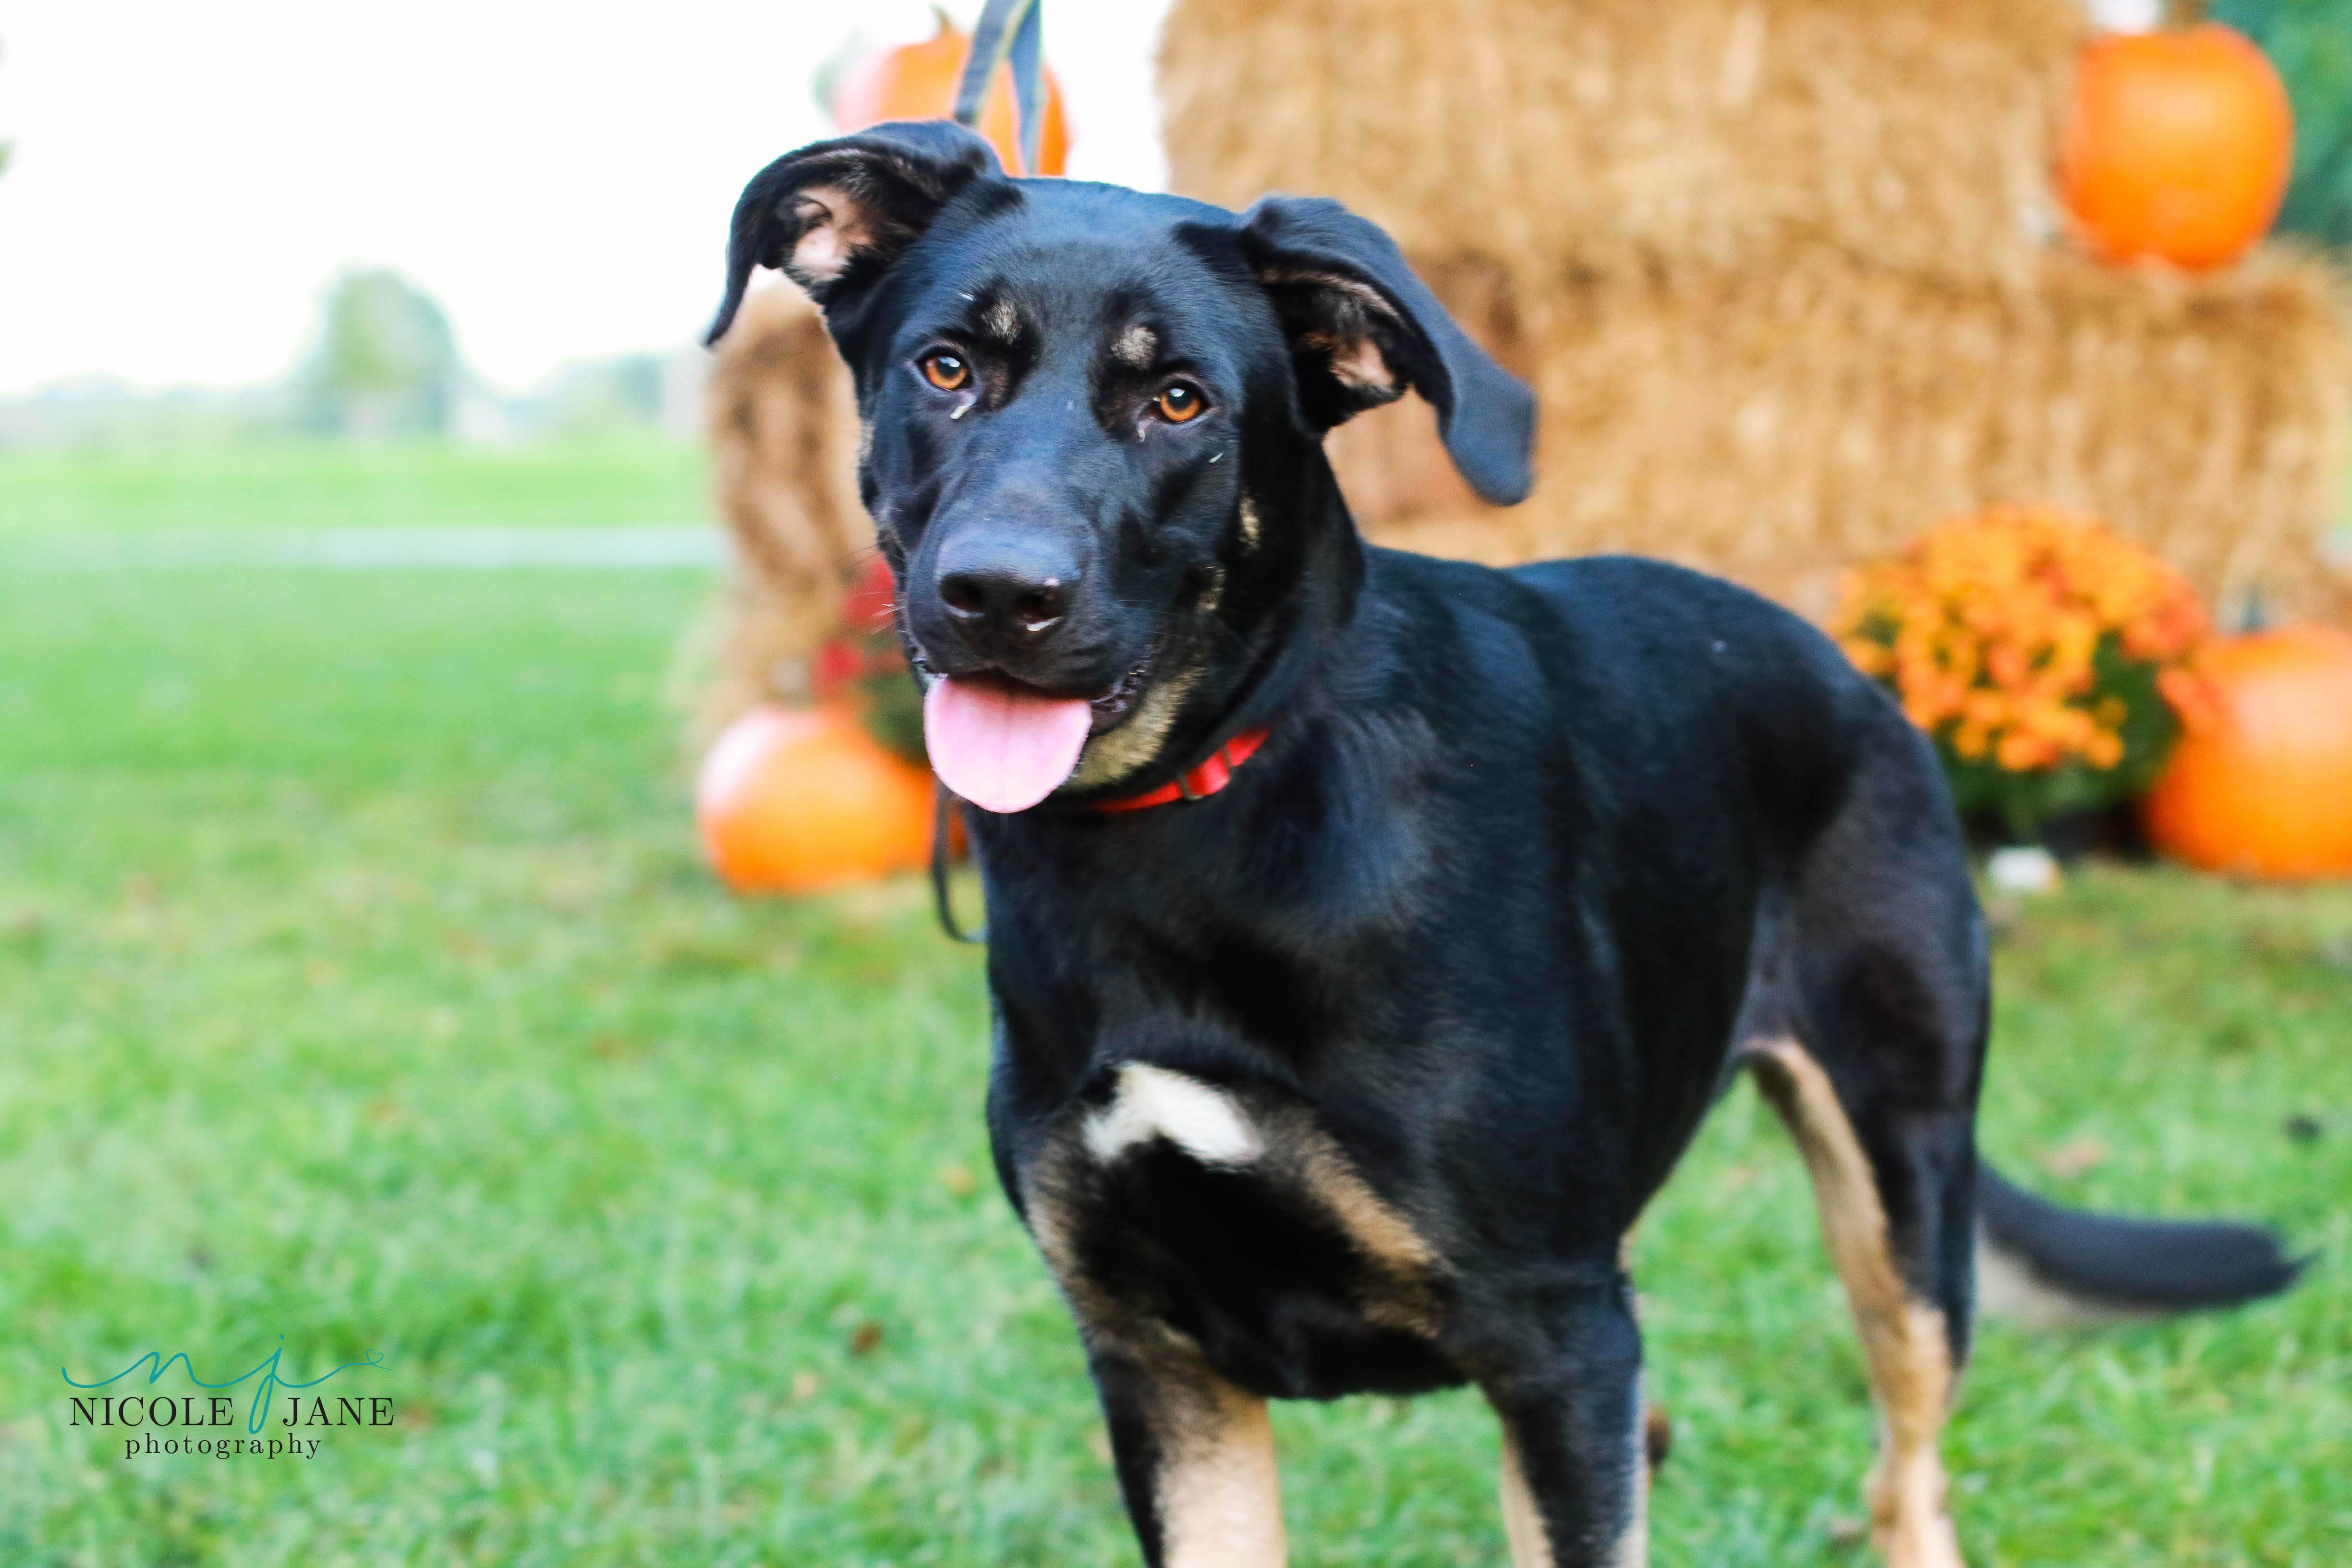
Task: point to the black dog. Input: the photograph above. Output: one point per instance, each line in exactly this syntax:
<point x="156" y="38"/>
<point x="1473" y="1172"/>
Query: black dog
<point x="1352" y="1070"/>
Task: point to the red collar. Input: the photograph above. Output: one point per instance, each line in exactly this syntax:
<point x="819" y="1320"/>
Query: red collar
<point x="1205" y="779"/>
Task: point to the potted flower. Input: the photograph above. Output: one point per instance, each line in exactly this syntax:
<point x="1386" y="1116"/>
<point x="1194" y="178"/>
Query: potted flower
<point x="2047" y="657"/>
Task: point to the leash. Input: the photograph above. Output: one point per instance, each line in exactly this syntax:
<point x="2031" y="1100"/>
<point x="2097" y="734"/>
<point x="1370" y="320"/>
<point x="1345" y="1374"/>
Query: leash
<point x="1011" y="30"/>
<point x="942" y="816"/>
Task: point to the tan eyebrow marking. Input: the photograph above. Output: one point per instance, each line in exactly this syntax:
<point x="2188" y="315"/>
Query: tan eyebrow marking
<point x="1136" y="346"/>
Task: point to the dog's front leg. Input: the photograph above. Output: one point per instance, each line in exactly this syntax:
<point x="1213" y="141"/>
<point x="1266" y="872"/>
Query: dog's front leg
<point x="1196" y="1463"/>
<point x="1575" y="1481"/>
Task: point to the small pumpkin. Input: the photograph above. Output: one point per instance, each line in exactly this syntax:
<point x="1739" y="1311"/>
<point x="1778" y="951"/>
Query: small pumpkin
<point x="793" y="800"/>
<point x="2260" y="783"/>
<point x="2179" y="145"/>
<point x="918" y="81"/>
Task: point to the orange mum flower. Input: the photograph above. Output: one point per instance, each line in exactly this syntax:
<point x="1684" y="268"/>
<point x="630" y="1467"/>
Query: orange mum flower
<point x="2002" y="636"/>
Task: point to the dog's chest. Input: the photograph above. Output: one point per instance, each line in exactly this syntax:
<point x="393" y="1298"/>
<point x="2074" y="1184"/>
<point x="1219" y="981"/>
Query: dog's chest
<point x="1227" y="1221"/>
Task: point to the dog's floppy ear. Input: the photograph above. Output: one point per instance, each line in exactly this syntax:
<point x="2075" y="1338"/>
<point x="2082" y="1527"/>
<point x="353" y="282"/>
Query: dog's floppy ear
<point x="836" y="213"/>
<point x="1362" y="328"/>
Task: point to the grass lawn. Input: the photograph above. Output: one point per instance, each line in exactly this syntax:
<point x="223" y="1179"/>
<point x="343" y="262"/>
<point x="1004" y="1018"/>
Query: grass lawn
<point x="358" y="986"/>
<point x="626" y="480"/>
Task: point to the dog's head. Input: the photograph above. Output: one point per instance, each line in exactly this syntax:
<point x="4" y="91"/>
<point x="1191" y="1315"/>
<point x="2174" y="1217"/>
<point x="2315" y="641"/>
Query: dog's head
<point x="1093" y="422"/>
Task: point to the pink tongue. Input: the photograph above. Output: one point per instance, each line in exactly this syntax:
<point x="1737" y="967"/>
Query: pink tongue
<point x="1001" y="746"/>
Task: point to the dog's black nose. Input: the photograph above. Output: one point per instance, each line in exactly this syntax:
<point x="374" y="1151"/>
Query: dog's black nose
<point x="1006" y="586"/>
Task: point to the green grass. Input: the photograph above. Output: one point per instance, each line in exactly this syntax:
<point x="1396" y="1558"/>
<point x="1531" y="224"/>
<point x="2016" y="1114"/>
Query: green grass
<point x="639" y="480"/>
<point x="359" y="984"/>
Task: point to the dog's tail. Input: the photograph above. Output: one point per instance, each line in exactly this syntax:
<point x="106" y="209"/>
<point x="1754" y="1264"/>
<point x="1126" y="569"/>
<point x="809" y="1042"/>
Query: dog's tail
<point x="2042" y="1265"/>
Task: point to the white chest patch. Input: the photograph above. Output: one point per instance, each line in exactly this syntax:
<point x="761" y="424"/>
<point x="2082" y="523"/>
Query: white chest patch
<point x="1153" y="1102"/>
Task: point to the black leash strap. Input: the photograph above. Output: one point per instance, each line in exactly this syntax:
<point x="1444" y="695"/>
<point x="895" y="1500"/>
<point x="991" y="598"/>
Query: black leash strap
<point x="1014" y="31"/>
<point x="943" y="818"/>
<point x="1010" y="30"/>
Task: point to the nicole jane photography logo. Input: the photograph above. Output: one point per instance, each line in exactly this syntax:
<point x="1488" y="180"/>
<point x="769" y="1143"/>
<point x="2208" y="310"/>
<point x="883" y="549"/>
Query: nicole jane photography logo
<point x="207" y="1423"/>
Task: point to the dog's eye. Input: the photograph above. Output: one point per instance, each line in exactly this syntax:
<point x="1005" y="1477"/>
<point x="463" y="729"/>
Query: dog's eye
<point x="947" y="371"/>
<point x="1180" y="401"/>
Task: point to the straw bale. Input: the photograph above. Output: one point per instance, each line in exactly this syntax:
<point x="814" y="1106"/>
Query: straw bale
<point x="1614" y="133"/>
<point x="742" y="648"/>
<point x="1774" y="425"/>
<point x="783" y="442"/>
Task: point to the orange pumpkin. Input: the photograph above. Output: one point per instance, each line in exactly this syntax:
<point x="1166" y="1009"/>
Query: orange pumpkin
<point x="918" y="81"/>
<point x="2263" y="782"/>
<point x="2178" y="147"/>
<point x="791" y="800"/>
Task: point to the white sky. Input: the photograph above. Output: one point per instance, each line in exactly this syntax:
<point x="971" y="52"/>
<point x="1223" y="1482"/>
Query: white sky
<point x="189" y="174"/>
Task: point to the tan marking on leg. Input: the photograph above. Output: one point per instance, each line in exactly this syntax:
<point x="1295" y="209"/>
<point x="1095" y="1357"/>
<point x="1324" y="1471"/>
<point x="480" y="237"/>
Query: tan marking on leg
<point x="1051" y="1191"/>
<point x="1049" y="1226"/>
<point x="1902" y="1340"/>
<point x="1385" y="1235"/>
<point x="1633" y="1546"/>
<point x="1409" y="1269"/>
<point x="1280" y="1143"/>
<point x="1220" y="1488"/>
<point x="1523" y="1522"/>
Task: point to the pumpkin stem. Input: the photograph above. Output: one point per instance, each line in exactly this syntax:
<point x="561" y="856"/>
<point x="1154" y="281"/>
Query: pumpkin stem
<point x="2186" y="13"/>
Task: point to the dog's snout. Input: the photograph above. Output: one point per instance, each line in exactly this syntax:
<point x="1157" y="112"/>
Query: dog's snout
<point x="1006" y="587"/>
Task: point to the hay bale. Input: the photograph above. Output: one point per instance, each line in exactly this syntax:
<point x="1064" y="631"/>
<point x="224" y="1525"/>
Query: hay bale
<point x="745" y="647"/>
<point x="783" y="443"/>
<point x="1611" y="134"/>
<point x="1780" y="270"/>
<point x="1776" y="424"/>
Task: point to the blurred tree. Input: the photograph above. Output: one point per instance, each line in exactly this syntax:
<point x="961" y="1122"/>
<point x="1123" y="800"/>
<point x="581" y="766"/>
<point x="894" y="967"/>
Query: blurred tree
<point x="2310" y="41"/>
<point x="385" y="364"/>
<point x="591" y="396"/>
